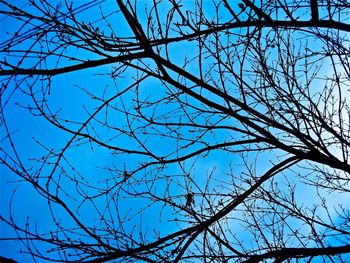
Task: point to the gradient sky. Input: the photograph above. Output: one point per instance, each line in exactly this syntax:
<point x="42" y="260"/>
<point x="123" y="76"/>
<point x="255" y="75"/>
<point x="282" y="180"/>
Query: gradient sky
<point x="70" y="100"/>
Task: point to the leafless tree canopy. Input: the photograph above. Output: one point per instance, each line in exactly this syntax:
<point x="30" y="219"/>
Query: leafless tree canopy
<point x="177" y="131"/>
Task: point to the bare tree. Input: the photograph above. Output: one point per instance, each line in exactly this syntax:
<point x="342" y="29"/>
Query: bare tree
<point x="169" y="131"/>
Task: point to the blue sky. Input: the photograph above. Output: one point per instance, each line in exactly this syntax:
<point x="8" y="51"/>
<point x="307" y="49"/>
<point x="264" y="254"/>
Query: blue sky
<point x="73" y="96"/>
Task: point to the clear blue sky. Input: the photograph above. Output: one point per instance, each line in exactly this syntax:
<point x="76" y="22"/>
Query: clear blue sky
<point x="71" y="96"/>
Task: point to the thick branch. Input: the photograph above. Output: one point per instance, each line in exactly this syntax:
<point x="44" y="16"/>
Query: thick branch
<point x="85" y="65"/>
<point x="314" y="10"/>
<point x="286" y="253"/>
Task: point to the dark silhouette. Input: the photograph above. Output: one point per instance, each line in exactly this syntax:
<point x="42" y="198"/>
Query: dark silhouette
<point x="6" y="260"/>
<point x="209" y="131"/>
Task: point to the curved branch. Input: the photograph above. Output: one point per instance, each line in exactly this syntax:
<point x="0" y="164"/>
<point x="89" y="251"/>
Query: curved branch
<point x="286" y="253"/>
